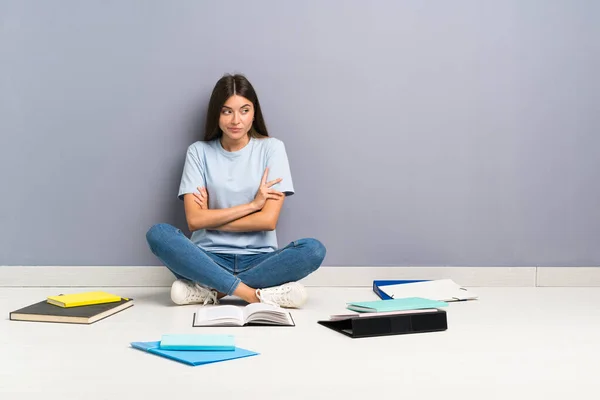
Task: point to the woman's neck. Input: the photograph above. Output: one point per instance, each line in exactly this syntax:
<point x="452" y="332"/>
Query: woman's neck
<point x="237" y="145"/>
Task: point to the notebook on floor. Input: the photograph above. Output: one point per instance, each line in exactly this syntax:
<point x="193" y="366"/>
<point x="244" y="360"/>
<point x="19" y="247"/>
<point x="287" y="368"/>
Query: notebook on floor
<point x="83" y="299"/>
<point x="206" y="342"/>
<point x="193" y="357"/>
<point x="46" y="312"/>
<point x="408" y="303"/>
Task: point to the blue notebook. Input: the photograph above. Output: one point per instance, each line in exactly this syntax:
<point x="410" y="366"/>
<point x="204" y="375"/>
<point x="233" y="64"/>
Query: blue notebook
<point x="408" y="303"/>
<point x="193" y="357"/>
<point x="198" y="342"/>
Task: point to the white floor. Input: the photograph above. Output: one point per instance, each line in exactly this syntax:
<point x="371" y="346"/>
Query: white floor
<point x="512" y="343"/>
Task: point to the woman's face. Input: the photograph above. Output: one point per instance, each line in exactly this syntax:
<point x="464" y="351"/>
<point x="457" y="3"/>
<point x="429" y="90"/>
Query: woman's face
<point x="236" y="117"/>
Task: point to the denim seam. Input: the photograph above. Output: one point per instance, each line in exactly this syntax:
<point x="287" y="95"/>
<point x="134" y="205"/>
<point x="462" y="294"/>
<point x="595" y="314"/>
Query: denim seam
<point x="234" y="286"/>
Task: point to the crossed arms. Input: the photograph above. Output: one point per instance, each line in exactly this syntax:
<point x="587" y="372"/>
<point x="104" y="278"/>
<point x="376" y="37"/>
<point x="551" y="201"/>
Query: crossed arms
<point x="261" y="214"/>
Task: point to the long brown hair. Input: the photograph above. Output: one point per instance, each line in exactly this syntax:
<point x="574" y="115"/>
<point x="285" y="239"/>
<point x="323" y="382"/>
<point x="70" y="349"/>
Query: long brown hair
<point x="226" y="87"/>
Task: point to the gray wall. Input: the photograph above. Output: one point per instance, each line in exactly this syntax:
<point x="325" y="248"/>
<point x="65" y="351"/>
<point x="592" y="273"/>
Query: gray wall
<point x="419" y="133"/>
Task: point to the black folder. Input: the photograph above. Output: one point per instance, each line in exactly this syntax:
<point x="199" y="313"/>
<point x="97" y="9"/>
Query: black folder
<point x="383" y="325"/>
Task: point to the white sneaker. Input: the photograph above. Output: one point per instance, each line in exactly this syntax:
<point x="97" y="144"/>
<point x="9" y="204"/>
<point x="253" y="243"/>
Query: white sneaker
<point x="289" y="295"/>
<point x="186" y="292"/>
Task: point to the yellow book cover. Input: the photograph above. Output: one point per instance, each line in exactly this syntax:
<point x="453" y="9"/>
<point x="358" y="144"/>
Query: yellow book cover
<point x="82" y="299"/>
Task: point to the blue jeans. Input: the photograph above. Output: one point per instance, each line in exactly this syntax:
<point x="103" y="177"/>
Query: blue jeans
<point x="224" y="272"/>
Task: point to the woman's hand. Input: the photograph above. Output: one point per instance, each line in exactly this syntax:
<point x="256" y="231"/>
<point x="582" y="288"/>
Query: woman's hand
<point x="201" y="198"/>
<point x="265" y="192"/>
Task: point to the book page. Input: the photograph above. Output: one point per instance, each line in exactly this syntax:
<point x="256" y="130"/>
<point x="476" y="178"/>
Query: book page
<point x="219" y="315"/>
<point x="255" y="307"/>
<point x="266" y="313"/>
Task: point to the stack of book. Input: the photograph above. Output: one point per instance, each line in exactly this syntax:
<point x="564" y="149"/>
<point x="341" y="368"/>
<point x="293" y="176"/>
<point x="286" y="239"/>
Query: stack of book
<point x="76" y="308"/>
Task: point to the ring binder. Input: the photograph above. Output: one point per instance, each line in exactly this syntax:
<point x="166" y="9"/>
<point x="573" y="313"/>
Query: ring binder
<point x="383" y="325"/>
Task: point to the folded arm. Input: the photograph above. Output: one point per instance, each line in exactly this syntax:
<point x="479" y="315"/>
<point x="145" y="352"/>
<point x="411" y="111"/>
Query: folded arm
<point x="263" y="220"/>
<point x="261" y="214"/>
<point x="203" y="218"/>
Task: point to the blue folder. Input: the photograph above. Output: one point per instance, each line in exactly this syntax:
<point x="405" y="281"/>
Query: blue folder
<point x="193" y="358"/>
<point x="379" y="283"/>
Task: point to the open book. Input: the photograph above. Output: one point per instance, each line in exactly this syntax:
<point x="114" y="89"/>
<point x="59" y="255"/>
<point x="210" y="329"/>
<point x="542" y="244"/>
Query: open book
<point x="252" y="314"/>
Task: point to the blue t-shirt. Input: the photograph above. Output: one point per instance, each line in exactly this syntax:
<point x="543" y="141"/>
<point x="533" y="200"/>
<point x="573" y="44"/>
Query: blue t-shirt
<point x="231" y="179"/>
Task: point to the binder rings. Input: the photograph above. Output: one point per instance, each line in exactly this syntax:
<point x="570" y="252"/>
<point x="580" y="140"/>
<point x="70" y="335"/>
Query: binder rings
<point x="397" y="324"/>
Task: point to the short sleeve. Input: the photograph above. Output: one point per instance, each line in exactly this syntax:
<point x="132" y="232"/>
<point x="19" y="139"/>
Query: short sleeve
<point x="193" y="173"/>
<point x="279" y="167"/>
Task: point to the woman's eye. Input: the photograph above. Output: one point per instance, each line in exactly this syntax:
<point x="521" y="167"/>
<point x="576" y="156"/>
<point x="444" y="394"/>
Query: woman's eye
<point x="225" y="111"/>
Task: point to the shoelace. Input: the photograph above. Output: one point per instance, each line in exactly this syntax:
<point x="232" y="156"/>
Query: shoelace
<point x="197" y="292"/>
<point x="276" y="296"/>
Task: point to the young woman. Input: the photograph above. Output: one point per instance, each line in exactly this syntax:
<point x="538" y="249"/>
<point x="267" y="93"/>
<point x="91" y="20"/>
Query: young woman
<point x="233" y="186"/>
